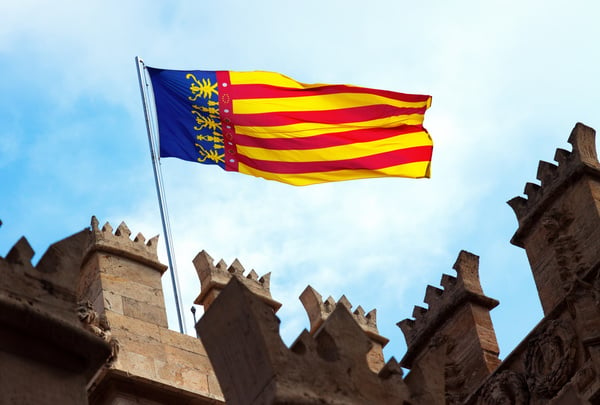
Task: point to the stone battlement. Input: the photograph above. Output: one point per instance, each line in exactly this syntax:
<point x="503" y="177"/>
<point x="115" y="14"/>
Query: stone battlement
<point x="555" y="178"/>
<point x="119" y="242"/>
<point x="443" y="302"/>
<point x="318" y="311"/>
<point x="328" y="367"/>
<point x="214" y="278"/>
<point x="88" y="323"/>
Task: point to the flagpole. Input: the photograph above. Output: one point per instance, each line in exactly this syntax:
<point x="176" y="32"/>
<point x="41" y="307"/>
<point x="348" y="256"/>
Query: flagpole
<point x="162" y="202"/>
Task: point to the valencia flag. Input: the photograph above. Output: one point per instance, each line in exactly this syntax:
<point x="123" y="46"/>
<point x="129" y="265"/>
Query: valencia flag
<point x="271" y="126"/>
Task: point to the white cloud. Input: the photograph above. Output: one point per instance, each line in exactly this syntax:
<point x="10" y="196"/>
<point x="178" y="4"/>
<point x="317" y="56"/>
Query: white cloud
<point x="508" y="79"/>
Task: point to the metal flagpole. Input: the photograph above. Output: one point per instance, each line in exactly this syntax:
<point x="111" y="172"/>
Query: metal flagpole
<point x="162" y="202"/>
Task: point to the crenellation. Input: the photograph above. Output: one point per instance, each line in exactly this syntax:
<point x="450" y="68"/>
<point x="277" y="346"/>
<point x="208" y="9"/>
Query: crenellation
<point x="562" y="157"/>
<point x="571" y="165"/>
<point x="433" y="295"/>
<point x="139" y="238"/>
<point x="88" y="323"/>
<point x="419" y="312"/>
<point x="21" y="253"/>
<point x="213" y="278"/>
<point x="519" y="206"/>
<point x="407" y="326"/>
<point x="46" y="354"/>
<point x="329" y="367"/>
<point x="107" y="228"/>
<point x="546" y="172"/>
<point x="467" y="271"/>
<point x="236" y="267"/>
<point x="533" y="192"/>
<point x="549" y="216"/>
<point x="123" y="230"/>
<point x="319" y="310"/>
<point x="448" y="281"/>
<point x="119" y="243"/>
<point x="391" y="369"/>
<point x="455" y="328"/>
<point x="252" y="275"/>
<point x="583" y="139"/>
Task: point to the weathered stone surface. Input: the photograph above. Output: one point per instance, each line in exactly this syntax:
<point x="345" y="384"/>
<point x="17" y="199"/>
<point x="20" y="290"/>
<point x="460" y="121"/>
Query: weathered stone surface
<point x="241" y="335"/>
<point x="90" y="316"/>
<point x="318" y="311"/>
<point x="129" y="276"/>
<point x="214" y="278"/>
<point x="46" y="355"/>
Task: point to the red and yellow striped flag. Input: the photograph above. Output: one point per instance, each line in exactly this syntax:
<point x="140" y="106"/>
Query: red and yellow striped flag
<point x="270" y="126"/>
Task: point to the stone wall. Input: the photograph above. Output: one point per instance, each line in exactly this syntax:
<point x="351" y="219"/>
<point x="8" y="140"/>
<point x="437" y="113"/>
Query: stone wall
<point x="88" y="324"/>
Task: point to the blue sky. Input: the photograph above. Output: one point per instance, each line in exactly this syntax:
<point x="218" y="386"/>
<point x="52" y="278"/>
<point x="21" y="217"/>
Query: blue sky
<point x="509" y="81"/>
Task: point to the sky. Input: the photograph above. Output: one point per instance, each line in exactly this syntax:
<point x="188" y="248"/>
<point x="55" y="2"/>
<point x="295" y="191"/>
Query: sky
<point x="509" y="80"/>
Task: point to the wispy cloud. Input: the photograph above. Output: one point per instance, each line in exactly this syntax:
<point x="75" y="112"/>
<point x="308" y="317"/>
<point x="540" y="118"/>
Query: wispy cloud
<point x="508" y="79"/>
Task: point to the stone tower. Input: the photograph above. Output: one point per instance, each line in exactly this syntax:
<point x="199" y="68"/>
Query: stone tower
<point x="451" y="346"/>
<point x="559" y="222"/>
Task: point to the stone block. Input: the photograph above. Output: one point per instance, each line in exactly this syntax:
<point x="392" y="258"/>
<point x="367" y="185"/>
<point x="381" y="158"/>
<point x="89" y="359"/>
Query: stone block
<point x="126" y="288"/>
<point x="145" y="312"/>
<point x="181" y="341"/>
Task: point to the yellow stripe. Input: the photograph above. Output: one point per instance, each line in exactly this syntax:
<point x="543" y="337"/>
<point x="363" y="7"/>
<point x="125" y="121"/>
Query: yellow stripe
<point x="351" y="151"/>
<point x="271" y="78"/>
<point x="305" y="129"/>
<point x="325" y="102"/>
<point x="412" y="170"/>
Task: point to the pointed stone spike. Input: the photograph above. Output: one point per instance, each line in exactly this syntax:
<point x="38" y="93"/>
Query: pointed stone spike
<point x="371" y="317"/>
<point x="447" y="281"/>
<point x="344" y="301"/>
<point x="407" y="326"/>
<point x="432" y="295"/>
<point x="95" y="224"/>
<point x="359" y="311"/>
<point x="391" y="368"/>
<point x="310" y="295"/>
<point x="123" y="230"/>
<point x="532" y="191"/>
<point x="467" y="269"/>
<point x="519" y="206"/>
<point x="252" y="275"/>
<point x="236" y="268"/>
<point x="222" y="266"/>
<point x="153" y="242"/>
<point x="546" y="172"/>
<point x="313" y="305"/>
<point x="20" y="253"/>
<point x="139" y="238"/>
<point x="583" y="139"/>
<point x="107" y="228"/>
<point x="418" y="312"/>
<point x="466" y="262"/>
<point x="329" y="304"/>
<point x="203" y="264"/>
<point x="304" y="343"/>
<point x="562" y="156"/>
<point x="266" y="281"/>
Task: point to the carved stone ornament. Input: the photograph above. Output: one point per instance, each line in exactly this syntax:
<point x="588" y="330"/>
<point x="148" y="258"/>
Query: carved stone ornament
<point x="99" y="326"/>
<point x="550" y="359"/>
<point x="505" y="388"/>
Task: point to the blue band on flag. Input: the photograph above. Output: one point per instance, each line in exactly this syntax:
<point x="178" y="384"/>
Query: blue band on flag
<point x="189" y="121"/>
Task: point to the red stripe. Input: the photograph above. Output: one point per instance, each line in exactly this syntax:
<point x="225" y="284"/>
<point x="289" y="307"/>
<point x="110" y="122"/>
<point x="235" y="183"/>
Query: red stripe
<point x="342" y="116"/>
<point x="373" y="162"/>
<point x="247" y="91"/>
<point x="325" y="140"/>
<point x="226" y="113"/>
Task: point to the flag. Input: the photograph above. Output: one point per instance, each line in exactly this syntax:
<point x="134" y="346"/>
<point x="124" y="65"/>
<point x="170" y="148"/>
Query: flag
<point x="271" y="126"/>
